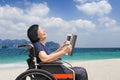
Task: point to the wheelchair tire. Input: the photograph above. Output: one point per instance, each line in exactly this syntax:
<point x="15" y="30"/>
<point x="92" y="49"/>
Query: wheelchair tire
<point x="35" y="74"/>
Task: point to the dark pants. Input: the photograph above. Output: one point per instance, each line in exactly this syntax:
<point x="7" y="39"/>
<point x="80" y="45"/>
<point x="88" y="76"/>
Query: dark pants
<point x="80" y="72"/>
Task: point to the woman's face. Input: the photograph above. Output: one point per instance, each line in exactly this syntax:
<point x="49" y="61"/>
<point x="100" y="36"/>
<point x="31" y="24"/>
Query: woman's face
<point x="42" y="35"/>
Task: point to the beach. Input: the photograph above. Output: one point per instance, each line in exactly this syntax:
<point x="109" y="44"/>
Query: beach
<point x="107" y="69"/>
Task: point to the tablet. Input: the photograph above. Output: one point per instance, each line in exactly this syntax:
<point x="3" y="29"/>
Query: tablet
<point x="71" y="39"/>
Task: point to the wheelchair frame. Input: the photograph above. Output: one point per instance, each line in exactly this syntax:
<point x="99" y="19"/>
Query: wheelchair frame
<point x="43" y="73"/>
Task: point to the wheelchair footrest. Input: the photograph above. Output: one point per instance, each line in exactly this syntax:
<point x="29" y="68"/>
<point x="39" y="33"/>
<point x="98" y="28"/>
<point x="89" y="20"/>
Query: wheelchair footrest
<point x="64" y="76"/>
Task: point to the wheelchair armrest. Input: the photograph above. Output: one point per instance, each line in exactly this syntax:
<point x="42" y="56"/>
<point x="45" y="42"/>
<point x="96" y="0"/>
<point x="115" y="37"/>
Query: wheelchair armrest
<point x="51" y="63"/>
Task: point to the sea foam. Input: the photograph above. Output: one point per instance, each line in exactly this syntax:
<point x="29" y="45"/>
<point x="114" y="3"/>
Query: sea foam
<point x="13" y="65"/>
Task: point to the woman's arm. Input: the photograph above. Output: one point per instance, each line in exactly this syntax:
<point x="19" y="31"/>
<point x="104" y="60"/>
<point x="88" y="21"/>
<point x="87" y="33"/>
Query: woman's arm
<point x="55" y="55"/>
<point x="61" y="47"/>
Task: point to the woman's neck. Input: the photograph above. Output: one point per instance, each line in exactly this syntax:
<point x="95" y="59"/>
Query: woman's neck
<point x="42" y="41"/>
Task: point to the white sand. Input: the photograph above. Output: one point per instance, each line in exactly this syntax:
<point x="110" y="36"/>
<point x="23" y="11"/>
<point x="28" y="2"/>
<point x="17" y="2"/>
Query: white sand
<point x="102" y="69"/>
<point x="97" y="70"/>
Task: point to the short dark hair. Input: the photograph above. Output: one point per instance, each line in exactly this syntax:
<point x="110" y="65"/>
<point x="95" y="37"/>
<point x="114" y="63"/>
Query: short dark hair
<point x="32" y="33"/>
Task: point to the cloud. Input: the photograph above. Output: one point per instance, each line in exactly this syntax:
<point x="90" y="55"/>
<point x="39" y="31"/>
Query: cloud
<point x="14" y="21"/>
<point x="72" y="26"/>
<point x="107" y="22"/>
<point x="110" y="25"/>
<point x="99" y="8"/>
<point x="40" y="10"/>
<point x="115" y="29"/>
<point x="81" y="1"/>
<point x="83" y="24"/>
<point x="8" y="12"/>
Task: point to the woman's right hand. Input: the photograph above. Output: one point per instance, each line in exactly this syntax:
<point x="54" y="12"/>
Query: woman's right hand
<point x="63" y="45"/>
<point x="67" y="48"/>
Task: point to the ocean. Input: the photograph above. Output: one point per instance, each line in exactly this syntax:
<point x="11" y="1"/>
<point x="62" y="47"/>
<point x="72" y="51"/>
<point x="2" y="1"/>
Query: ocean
<point x="14" y="57"/>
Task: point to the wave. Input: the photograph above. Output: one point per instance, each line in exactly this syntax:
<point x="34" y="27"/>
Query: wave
<point x="13" y="65"/>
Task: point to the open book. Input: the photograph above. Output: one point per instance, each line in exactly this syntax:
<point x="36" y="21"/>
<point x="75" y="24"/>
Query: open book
<point x="71" y="39"/>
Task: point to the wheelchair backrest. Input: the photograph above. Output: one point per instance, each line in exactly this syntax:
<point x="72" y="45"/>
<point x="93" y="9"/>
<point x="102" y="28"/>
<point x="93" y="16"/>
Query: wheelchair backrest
<point x="31" y="61"/>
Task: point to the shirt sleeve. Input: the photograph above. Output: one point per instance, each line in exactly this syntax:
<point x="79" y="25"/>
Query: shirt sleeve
<point x="38" y="47"/>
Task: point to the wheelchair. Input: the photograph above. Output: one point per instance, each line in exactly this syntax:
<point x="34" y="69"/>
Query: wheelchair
<point x="43" y="71"/>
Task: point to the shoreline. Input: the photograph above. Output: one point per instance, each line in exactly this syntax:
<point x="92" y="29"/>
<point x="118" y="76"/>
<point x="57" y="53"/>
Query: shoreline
<point x="106" y="69"/>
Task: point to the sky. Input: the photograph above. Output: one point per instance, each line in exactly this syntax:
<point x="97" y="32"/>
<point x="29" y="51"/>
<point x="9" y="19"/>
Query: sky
<point x="96" y="22"/>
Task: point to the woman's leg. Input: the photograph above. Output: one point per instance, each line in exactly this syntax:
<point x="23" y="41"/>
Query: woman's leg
<point x="80" y="73"/>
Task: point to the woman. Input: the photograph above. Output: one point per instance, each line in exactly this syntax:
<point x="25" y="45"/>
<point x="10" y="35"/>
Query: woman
<point x="38" y="37"/>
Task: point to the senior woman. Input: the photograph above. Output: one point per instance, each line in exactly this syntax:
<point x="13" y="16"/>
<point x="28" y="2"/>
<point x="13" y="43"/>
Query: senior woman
<point x="38" y="36"/>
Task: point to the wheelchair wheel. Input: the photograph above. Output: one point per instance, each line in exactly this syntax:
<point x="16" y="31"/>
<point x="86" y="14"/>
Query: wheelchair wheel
<point x="35" y="74"/>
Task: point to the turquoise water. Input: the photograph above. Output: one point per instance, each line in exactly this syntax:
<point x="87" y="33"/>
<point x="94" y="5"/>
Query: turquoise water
<point x="93" y="56"/>
<point x="12" y="57"/>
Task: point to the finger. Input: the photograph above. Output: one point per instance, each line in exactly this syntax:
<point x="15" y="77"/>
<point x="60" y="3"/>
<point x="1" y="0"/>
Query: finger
<point x="70" y="46"/>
